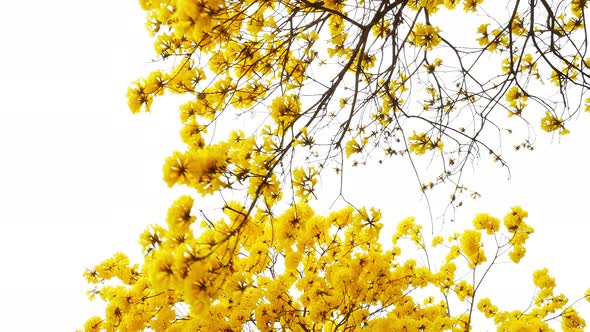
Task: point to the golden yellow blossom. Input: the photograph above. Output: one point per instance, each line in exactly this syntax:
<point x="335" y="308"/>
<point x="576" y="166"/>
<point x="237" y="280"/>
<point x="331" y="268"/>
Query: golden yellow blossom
<point x="426" y="35"/>
<point x="484" y="221"/>
<point x="421" y="143"/>
<point x="551" y="123"/>
<point x="472" y="247"/>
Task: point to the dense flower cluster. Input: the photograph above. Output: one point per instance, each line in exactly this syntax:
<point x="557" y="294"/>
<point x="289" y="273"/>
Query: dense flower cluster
<point x="303" y="271"/>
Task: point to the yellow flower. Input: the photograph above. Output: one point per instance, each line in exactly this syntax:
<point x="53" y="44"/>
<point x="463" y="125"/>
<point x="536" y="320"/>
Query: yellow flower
<point x="451" y="4"/>
<point x="471" y="247"/>
<point x="382" y="29"/>
<point x="93" y="324"/>
<point x="529" y="65"/>
<point x="421" y="143"/>
<point x="353" y="147"/>
<point x="569" y="72"/>
<point x="518" y="27"/>
<point x="437" y="240"/>
<point x="514" y="220"/>
<point x="517" y="253"/>
<point x="454" y="252"/>
<point x="490" y="40"/>
<point x="162" y="270"/>
<point x="471" y="5"/>
<point x="179" y="216"/>
<point x="574" y="23"/>
<point x="426" y="35"/>
<point x="406" y="227"/>
<point x="464" y="290"/>
<point x="516" y="97"/>
<point x="578" y="6"/>
<point x="152" y="237"/>
<point x="430" y="68"/>
<point x="486" y="307"/>
<point x="484" y="40"/>
<point x="137" y="97"/>
<point x="285" y="110"/>
<point x="430" y="5"/>
<point x="571" y="320"/>
<point x="191" y="134"/>
<point x="543" y="280"/>
<point x="304" y="181"/>
<point x="551" y="123"/>
<point x="178" y="168"/>
<point x="484" y="221"/>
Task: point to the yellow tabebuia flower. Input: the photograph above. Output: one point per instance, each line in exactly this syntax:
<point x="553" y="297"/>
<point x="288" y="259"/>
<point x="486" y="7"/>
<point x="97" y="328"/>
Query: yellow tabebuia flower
<point x="542" y="279"/>
<point x="437" y="240"/>
<point x="421" y="143"/>
<point x="93" y="324"/>
<point x="426" y="35"/>
<point x="430" y="68"/>
<point x="571" y="320"/>
<point x="179" y="216"/>
<point x="487" y="308"/>
<point x="490" y="39"/>
<point x="138" y="98"/>
<point x="464" y="290"/>
<point x="484" y="221"/>
<point x="516" y="97"/>
<point x="353" y="146"/>
<point x="304" y="181"/>
<point x="285" y="110"/>
<point x="517" y="253"/>
<point x="517" y="26"/>
<point x="578" y="6"/>
<point x="484" y="40"/>
<point x="472" y="247"/>
<point x="471" y="5"/>
<point x="451" y="4"/>
<point x="572" y="24"/>
<point x="551" y="123"/>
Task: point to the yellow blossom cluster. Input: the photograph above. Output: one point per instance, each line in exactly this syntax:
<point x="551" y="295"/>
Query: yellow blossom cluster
<point x="472" y="247"/>
<point x="353" y="146"/>
<point x="421" y="143"/>
<point x="491" y="40"/>
<point x="517" y="99"/>
<point x="551" y="123"/>
<point x="426" y="35"/>
<point x="514" y="223"/>
<point x="285" y="110"/>
<point x="300" y="270"/>
<point x="548" y="306"/>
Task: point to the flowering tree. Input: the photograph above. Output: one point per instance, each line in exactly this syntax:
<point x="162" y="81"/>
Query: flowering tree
<point x="322" y="86"/>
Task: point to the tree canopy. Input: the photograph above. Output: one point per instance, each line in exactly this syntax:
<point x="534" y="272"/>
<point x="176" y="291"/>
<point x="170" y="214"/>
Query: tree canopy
<point x="276" y="94"/>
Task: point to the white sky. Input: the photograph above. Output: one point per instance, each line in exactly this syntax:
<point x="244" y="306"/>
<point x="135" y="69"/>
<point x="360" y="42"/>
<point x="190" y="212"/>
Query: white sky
<point x="80" y="176"/>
